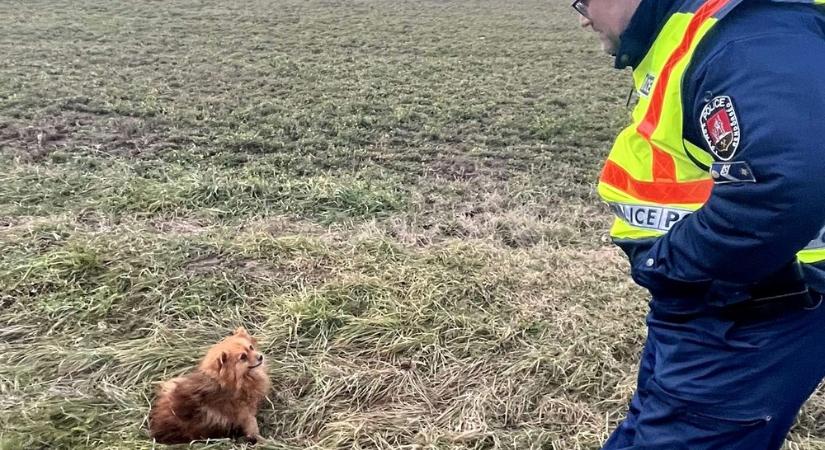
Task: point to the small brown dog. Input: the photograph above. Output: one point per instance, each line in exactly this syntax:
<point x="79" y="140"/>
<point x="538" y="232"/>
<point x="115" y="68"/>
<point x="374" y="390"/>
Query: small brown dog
<point x="218" y="400"/>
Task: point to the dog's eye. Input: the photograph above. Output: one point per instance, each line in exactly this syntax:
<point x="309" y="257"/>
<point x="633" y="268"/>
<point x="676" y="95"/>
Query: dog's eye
<point x="243" y="356"/>
<point x="251" y="348"/>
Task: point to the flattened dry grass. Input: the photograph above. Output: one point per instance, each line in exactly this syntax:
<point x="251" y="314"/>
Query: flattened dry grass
<point x="371" y="343"/>
<point x="396" y="197"/>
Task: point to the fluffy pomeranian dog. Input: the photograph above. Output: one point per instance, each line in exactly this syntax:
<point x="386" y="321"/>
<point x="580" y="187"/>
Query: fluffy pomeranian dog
<point x="218" y="400"/>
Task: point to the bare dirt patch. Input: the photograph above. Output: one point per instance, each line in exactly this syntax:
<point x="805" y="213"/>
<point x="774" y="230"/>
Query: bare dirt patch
<point x="34" y="140"/>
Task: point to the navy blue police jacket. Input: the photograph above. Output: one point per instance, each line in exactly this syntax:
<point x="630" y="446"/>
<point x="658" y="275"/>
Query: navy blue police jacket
<point x="769" y="59"/>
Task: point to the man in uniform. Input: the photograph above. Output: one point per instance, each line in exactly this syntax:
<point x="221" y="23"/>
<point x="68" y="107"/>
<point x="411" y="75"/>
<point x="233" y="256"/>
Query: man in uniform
<point x="718" y="187"/>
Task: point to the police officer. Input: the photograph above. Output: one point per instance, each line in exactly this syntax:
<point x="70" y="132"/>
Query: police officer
<point x="718" y="186"/>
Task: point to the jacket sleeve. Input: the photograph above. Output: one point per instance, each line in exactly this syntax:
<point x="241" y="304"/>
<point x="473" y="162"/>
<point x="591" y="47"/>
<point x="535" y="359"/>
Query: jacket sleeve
<point x="751" y="226"/>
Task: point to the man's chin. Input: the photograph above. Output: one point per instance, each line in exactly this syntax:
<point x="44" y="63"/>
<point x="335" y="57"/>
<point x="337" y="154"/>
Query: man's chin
<point x="608" y="45"/>
<point x="609" y="48"/>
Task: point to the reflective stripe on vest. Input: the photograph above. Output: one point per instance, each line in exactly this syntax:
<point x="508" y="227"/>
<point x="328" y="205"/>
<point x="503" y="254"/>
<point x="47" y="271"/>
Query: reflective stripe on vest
<point x="649" y="217"/>
<point x="652" y="217"/>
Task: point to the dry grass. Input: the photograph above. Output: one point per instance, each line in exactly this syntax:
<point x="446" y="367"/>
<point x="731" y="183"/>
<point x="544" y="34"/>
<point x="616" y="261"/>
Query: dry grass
<point x="396" y="197"/>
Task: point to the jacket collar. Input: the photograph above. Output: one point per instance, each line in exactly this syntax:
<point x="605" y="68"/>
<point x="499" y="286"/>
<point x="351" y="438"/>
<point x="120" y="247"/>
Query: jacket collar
<point x="644" y="26"/>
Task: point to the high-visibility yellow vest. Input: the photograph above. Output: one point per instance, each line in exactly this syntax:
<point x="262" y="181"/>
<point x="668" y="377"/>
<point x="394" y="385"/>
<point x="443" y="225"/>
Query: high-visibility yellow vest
<point x="649" y="179"/>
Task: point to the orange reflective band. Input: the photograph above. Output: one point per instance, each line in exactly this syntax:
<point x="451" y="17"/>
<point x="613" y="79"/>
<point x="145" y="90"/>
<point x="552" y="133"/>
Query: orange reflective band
<point x="654" y="111"/>
<point x="664" y="168"/>
<point x="660" y="192"/>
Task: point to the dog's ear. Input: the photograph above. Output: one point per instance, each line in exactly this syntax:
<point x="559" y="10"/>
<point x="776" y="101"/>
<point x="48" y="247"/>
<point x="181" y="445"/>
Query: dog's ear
<point x="221" y="361"/>
<point x="241" y="331"/>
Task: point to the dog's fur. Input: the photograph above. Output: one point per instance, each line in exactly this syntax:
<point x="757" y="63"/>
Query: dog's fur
<point x="218" y="400"/>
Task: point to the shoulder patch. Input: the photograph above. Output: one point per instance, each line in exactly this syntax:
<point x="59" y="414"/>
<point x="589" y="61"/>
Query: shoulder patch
<point x="731" y="172"/>
<point x="720" y="127"/>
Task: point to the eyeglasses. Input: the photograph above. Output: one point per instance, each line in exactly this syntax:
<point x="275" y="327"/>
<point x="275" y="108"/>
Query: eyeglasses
<point x="581" y="7"/>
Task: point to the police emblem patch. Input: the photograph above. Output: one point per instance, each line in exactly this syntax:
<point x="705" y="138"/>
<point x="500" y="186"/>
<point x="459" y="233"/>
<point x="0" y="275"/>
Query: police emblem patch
<point x="720" y="127"/>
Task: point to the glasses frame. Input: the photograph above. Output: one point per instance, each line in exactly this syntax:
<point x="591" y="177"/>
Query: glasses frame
<point x="581" y="7"/>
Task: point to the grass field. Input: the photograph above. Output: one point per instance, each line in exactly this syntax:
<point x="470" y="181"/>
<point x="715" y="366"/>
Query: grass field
<point x="397" y="197"/>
